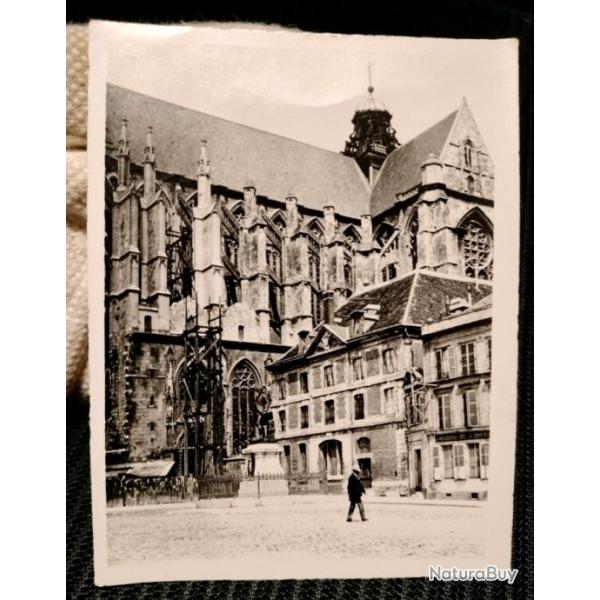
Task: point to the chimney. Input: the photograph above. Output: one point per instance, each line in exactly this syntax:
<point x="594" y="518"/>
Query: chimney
<point x="328" y="308"/>
<point x="371" y="315"/>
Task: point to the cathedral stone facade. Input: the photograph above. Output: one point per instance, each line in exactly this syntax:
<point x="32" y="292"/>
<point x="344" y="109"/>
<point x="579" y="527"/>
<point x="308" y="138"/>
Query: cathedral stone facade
<point x="308" y="258"/>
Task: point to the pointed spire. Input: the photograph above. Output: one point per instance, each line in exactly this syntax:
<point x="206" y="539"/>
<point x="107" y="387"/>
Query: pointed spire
<point x="203" y="162"/>
<point x="123" y="141"/>
<point x="149" y="155"/>
<point x="370" y="89"/>
<point x="123" y="156"/>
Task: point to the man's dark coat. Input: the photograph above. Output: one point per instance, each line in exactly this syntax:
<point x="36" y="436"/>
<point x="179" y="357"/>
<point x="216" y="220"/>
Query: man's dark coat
<point x="355" y="488"/>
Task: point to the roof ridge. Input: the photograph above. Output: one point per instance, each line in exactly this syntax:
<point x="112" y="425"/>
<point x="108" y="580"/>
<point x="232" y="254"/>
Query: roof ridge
<point x="454" y="112"/>
<point x="411" y="295"/>
<point x="378" y="286"/>
<point x="238" y="124"/>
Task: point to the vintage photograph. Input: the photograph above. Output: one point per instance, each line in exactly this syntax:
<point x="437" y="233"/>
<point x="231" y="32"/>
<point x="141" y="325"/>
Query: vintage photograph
<point x="300" y="366"/>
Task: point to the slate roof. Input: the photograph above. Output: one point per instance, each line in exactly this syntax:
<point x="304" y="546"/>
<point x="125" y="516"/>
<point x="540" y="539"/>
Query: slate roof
<point x="401" y="170"/>
<point x="419" y="298"/>
<point x="276" y="164"/>
<point x="415" y="299"/>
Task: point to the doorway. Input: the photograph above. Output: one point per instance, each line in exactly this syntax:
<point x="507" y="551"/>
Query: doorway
<point x="418" y="471"/>
<point x="365" y="471"/>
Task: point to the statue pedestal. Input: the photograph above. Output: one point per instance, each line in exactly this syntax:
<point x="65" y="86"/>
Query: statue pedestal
<point x="264" y="465"/>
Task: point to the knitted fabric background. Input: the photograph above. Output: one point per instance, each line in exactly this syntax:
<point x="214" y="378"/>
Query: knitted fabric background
<point x="80" y="577"/>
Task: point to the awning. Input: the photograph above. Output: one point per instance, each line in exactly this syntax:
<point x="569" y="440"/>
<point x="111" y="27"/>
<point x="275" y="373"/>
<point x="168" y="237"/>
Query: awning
<point x="151" y="468"/>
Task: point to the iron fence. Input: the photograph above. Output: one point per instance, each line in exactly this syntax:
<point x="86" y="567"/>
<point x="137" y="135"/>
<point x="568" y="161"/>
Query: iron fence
<point x="135" y="491"/>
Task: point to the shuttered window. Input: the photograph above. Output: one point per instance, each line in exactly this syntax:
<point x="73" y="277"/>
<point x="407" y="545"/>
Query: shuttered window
<point x="467" y="358"/>
<point x="448" y="461"/>
<point x="445" y="411"/>
<point x="459" y="455"/>
<point x="474" y="470"/>
<point x="471" y="408"/>
<point x="441" y="364"/>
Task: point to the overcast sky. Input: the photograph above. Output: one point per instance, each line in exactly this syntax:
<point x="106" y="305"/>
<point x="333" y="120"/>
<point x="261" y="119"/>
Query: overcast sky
<point x="307" y="86"/>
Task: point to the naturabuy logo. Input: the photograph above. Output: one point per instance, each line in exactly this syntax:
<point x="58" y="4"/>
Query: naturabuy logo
<point x="487" y="573"/>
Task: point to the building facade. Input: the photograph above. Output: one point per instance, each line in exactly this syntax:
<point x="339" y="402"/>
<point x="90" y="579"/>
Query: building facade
<point x="448" y="442"/>
<point x="293" y="250"/>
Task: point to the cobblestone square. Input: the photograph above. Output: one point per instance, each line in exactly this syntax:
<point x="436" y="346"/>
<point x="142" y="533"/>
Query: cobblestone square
<point x="312" y="529"/>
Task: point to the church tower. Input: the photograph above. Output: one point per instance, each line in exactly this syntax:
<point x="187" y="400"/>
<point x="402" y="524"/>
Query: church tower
<point x="373" y="137"/>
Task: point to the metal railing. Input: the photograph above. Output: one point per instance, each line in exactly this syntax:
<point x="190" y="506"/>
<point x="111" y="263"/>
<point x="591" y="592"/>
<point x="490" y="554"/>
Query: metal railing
<point x="137" y="491"/>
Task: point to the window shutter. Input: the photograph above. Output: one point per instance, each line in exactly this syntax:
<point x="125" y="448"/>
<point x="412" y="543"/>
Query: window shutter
<point x="434" y="411"/>
<point x="484" y="459"/>
<point x="480" y="349"/>
<point x="461" y="471"/>
<point x="458" y="408"/>
<point x="452" y="361"/>
<point x="432" y="367"/>
<point x="484" y="404"/>
<point x="437" y="463"/>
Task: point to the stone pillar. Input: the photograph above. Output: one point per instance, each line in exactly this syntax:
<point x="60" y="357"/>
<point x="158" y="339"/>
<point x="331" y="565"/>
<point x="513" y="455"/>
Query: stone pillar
<point x="297" y="287"/>
<point x="208" y="269"/>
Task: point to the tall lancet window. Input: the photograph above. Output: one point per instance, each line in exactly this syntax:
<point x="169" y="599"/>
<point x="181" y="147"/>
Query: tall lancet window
<point x="244" y="392"/>
<point x="413" y="230"/>
<point x="477" y="250"/>
<point x="468" y="154"/>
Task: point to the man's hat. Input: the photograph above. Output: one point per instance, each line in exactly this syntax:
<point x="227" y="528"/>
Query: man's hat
<point x="356" y="468"/>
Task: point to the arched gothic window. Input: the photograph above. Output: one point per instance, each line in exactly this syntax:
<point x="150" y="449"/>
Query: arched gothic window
<point x="279" y="222"/>
<point x="316" y="229"/>
<point x="468" y="154"/>
<point x="351" y="235"/>
<point x="477" y="250"/>
<point x="413" y="230"/>
<point x="244" y="394"/>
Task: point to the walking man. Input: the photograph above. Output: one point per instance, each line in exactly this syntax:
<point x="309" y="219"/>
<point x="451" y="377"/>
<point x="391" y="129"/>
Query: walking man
<point x="355" y="492"/>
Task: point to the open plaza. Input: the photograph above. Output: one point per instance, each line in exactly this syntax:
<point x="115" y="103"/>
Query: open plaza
<point x="284" y="531"/>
